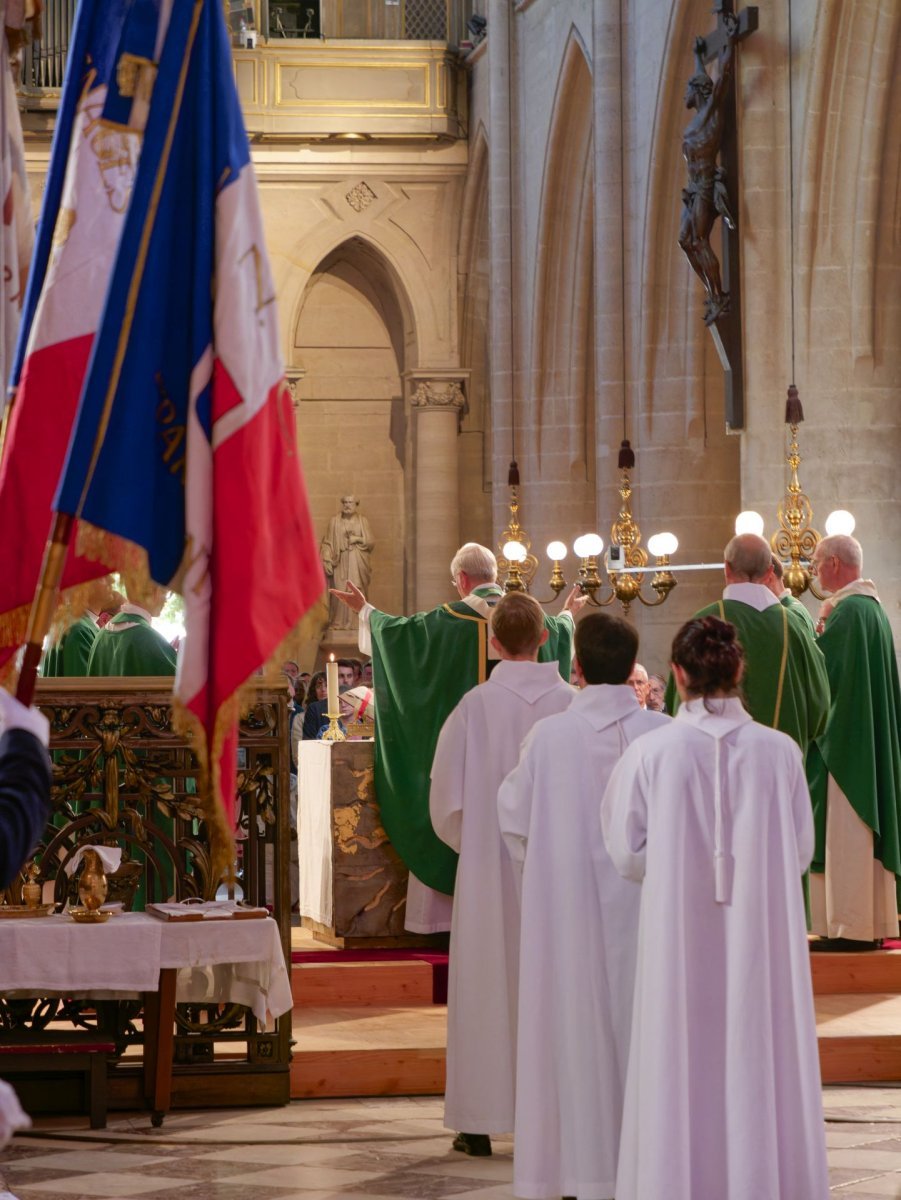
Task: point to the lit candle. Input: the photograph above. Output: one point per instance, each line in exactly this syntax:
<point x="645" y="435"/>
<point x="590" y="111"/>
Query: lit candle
<point x="331" y="679"/>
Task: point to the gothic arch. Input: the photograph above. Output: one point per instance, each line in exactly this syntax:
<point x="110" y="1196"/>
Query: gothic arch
<point x="563" y="398"/>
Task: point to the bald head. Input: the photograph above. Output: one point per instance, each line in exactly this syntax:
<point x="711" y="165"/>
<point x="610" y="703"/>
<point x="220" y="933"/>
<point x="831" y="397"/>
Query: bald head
<point x="748" y="559"/>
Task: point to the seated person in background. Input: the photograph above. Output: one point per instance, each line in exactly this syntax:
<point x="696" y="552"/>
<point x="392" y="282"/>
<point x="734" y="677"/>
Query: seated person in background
<point x="314" y="718"/>
<point x="357" y="705"/>
<point x="367" y="673"/>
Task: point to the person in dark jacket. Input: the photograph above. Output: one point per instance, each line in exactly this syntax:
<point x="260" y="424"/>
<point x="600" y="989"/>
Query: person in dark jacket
<point x="24" y="783"/>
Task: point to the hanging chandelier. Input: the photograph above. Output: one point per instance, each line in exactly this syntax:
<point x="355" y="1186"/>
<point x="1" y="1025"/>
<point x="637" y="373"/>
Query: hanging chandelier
<point x="795" y="541"/>
<point x="625" y="563"/>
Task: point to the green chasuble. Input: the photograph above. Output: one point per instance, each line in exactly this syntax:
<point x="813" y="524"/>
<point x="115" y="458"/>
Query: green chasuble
<point x="859" y="747"/>
<point x="69" y="654"/>
<point x="138" y="650"/>
<point x="422" y="667"/>
<point x="801" y="611"/>
<point x="785" y="683"/>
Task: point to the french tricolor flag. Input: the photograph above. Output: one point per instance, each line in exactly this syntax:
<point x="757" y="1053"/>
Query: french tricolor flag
<point x="152" y="378"/>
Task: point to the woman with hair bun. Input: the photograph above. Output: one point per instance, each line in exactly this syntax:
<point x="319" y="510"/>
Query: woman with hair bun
<point x="712" y="816"/>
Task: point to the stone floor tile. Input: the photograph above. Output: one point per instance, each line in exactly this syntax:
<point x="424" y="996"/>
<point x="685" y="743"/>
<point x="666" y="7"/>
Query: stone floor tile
<point x="106" y="1184"/>
<point x="882" y="1186"/>
<point x="314" y="1176"/>
<point x="868" y="1157"/>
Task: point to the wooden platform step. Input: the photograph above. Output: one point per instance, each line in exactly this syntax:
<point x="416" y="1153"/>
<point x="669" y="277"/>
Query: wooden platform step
<point x="373" y="984"/>
<point x="859" y="1037"/>
<point x="352" y="1051"/>
<point x="872" y="971"/>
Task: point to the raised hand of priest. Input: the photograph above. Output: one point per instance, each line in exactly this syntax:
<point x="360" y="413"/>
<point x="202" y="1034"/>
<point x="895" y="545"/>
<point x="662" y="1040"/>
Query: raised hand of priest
<point x="353" y="597"/>
<point x="575" y="601"/>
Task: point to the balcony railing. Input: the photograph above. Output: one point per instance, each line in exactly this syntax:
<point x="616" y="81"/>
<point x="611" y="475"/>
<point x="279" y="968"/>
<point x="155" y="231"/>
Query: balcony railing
<point x="278" y="22"/>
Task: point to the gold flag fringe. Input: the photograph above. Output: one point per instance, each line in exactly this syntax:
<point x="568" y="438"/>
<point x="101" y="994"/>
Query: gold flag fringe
<point x="222" y="841"/>
<point x="131" y="562"/>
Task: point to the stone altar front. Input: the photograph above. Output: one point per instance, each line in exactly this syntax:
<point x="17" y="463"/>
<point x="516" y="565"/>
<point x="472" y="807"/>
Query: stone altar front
<point x="353" y="885"/>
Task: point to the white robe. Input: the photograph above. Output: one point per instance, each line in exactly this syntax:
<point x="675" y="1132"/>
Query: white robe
<point x="577" y="955"/>
<point x="723" y="1094"/>
<point x="478" y="745"/>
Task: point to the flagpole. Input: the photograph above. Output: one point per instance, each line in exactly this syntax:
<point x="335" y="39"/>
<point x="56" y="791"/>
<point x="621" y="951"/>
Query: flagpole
<point x="4" y="423"/>
<point x="44" y="604"/>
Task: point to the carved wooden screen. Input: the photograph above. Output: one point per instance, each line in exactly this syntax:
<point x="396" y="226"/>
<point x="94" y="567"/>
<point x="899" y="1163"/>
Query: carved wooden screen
<point x="121" y="776"/>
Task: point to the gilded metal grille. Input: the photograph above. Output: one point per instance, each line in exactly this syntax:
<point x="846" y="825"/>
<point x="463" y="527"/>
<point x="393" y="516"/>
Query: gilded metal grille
<point x="425" y="20"/>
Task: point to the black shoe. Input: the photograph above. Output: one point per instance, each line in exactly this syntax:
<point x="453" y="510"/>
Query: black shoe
<point x="844" y="945"/>
<point x="476" y="1144"/>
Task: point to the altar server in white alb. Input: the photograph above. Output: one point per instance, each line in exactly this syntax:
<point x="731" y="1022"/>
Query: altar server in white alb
<point x="713" y="815"/>
<point x="579" y="926"/>
<point x="478" y="745"/>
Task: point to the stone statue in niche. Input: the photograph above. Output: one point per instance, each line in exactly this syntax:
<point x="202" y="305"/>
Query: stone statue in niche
<point x="705" y="197"/>
<point x="346" y="553"/>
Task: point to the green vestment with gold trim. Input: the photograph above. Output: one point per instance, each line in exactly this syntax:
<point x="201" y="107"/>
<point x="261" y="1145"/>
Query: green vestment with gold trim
<point x="139" y="650"/>
<point x="785" y="684"/>
<point x="422" y="667"/>
<point x="801" y="611"/>
<point x="860" y="746"/>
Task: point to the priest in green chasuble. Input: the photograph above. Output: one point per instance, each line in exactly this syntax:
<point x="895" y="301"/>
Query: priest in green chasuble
<point x="854" y="766"/>
<point x="792" y="603"/>
<point x="129" y="645"/>
<point x="422" y="666"/>
<point x="68" y="654"/>
<point x="785" y="684"/>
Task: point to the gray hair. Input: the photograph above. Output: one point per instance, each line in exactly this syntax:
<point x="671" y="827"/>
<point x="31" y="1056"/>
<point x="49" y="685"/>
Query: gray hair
<point x="476" y="561"/>
<point x="845" y="548"/>
<point x="748" y="554"/>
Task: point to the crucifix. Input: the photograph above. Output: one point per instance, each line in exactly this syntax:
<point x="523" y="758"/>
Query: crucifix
<point x="710" y="149"/>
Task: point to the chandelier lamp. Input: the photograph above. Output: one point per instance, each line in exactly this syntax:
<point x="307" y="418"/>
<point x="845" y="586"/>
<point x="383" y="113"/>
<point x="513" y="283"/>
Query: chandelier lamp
<point x="795" y="541"/>
<point x="625" y="564"/>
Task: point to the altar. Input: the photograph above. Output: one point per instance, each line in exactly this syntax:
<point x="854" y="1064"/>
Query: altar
<point x="353" y="884"/>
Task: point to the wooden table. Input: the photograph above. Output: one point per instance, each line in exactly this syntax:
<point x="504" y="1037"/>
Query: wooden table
<point x="230" y="961"/>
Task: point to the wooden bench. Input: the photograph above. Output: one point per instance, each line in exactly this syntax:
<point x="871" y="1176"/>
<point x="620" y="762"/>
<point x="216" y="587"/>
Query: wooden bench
<point x="34" y="1056"/>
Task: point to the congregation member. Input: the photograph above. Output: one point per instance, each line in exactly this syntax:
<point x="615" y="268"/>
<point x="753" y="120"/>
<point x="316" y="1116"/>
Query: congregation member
<point x="784" y="596"/>
<point x="423" y="665"/>
<point x="579" y="926"/>
<point x="315" y="718"/>
<point x="640" y="684"/>
<point x="712" y="816"/>
<point x="785" y="684"/>
<point x="24" y="809"/>
<point x="24" y="783"/>
<point x="854" y="766"/>
<point x="128" y="644"/>
<point x="656" y="693"/>
<point x="478" y="745"/>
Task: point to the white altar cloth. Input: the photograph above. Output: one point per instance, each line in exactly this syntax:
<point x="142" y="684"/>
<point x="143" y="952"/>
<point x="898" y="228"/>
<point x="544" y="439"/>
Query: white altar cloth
<point x="314" y="830"/>
<point x="227" y="962"/>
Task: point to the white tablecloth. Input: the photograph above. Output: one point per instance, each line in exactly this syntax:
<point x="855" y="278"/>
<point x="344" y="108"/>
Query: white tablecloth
<point x="228" y="962"/>
<point x="314" y="830"/>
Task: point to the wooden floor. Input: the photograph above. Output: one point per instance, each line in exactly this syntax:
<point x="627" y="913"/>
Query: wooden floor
<point x="371" y="1029"/>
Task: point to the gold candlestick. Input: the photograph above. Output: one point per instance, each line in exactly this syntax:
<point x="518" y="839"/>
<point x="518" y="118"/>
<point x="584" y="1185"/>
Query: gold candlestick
<point x="334" y="732"/>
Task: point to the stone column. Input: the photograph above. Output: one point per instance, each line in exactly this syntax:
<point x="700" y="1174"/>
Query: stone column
<point x="437" y="403"/>
<point x="501" y="218"/>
